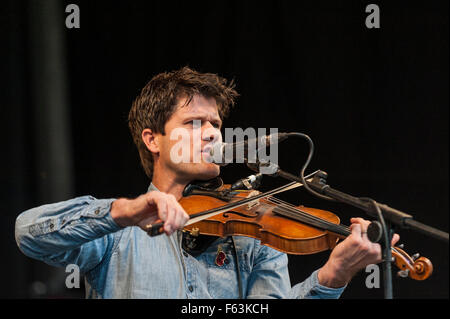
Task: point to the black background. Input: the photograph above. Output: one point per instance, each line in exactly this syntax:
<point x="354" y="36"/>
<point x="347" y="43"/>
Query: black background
<point x="374" y="101"/>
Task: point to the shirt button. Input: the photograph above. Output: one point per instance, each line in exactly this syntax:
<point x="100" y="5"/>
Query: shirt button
<point x="97" y="211"/>
<point x="191" y="289"/>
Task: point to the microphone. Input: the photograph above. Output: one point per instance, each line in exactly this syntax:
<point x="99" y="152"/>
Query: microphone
<point x="224" y="153"/>
<point x="250" y="182"/>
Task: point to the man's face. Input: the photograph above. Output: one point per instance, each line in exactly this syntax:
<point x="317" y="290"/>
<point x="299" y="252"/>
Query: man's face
<point x="190" y="133"/>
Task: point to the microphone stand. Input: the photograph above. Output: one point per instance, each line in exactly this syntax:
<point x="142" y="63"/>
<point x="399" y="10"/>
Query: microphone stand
<point x="381" y="211"/>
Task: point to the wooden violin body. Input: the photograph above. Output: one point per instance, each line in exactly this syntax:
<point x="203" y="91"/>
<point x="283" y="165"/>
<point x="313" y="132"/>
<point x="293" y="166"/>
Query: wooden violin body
<point x="290" y="229"/>
<point x="258" y="220"/>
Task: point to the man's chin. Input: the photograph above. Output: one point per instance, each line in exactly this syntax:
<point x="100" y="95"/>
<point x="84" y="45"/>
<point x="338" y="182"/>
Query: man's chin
<point x="210" y="171"/>
<point x="200" y="171"/>
<point x="205" y="171"/>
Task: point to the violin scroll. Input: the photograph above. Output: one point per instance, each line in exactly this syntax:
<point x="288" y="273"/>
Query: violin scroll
<point x="413" y="267"/>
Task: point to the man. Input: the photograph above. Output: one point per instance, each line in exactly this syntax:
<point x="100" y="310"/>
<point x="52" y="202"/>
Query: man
<point x="107" y="238"/>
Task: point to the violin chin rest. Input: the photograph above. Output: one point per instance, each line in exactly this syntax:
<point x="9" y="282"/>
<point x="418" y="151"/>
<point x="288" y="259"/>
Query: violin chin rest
<point x="211" y="184"/>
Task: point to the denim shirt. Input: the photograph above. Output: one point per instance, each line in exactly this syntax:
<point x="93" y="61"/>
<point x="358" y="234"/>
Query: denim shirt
<point x="126" y="263"/>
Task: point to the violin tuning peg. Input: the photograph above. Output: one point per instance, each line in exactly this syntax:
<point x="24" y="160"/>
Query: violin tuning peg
<point x="403" y="273"/>
<point x="401" y="246"/>
<point x="415" y="256"/>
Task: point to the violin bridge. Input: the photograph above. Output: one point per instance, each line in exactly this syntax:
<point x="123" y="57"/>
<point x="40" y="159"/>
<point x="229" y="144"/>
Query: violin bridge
<point x="254" y="203"/>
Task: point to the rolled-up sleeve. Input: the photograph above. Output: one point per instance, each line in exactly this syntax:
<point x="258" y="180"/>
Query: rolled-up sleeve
<point x="270" y="279"/>
<point x="78" y="231"/>
<point x="311" y="289"/>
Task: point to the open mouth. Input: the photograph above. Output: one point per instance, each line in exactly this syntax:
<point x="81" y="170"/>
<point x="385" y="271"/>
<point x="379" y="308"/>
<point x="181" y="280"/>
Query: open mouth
<point x="207" y="150"/>
<point x="206" y="154"/>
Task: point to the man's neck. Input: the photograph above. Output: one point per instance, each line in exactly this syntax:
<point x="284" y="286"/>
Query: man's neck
<point x="168" y="184"/>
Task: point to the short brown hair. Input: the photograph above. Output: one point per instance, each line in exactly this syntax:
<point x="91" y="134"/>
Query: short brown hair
<point x="158" y="99"/>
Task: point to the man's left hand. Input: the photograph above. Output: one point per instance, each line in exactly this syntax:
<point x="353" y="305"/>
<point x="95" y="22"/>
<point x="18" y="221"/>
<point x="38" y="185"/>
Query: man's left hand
<point x="351" y="255"/>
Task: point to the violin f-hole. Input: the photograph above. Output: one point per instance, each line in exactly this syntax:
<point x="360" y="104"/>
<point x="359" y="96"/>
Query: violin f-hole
<point x="249" y="215"/>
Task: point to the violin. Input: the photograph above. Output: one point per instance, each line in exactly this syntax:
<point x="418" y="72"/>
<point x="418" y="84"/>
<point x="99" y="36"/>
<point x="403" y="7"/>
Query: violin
<point x="216" y="210"/>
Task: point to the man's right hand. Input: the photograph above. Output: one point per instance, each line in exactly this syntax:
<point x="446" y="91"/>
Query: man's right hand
<point x="149" y="208"/>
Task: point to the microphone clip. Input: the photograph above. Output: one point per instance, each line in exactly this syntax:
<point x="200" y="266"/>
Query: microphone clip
<point x="250" y="182"/>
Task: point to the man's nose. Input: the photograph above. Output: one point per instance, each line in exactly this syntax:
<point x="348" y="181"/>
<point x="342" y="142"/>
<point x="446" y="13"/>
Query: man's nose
<point x="209" y="133"/>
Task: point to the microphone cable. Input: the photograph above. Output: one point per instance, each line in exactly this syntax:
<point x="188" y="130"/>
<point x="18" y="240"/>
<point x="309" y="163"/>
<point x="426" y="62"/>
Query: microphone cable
<point x="308" y="160"/>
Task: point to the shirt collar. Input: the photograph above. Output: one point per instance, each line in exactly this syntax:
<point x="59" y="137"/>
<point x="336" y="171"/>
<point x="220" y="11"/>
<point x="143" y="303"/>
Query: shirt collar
<point x="152" y="188"/>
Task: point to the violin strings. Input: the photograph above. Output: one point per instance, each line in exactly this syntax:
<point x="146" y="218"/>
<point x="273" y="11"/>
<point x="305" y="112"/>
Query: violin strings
<point x="289" y="205"/>
<point x="291" y="208"/>
<point x="294" y="208"/>
<point x="299" y="212"/>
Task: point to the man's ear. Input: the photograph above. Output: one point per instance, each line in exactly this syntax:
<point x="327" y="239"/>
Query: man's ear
<point x="150" y="140"/>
